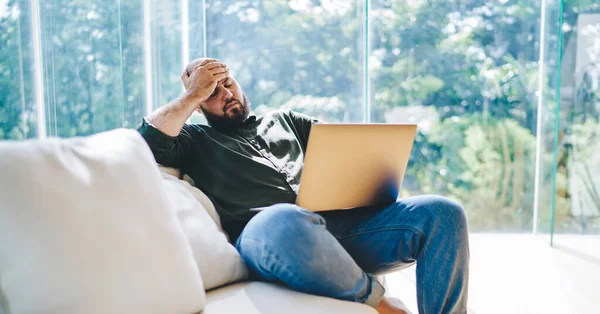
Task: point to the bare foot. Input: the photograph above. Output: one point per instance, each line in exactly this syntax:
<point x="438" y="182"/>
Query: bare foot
<point x="392" y="306"/>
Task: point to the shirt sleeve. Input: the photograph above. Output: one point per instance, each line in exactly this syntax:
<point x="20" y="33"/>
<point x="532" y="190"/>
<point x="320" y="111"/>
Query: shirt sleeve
<point x="302" y="124"/>
<point x="168" y="150"/>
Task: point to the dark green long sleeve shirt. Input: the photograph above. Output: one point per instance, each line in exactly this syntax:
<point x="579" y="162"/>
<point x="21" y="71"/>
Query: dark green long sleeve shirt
<point x="257" y="165"/>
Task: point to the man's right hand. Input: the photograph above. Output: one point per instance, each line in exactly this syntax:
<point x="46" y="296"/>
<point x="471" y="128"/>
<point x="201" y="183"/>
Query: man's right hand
<point x="201" y="80"/>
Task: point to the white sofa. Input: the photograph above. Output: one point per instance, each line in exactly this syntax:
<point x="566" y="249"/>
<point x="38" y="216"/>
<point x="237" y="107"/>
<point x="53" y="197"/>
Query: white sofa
<point x="90" y="225"/>
<point x="266" y="298"/>
<point x="247" y="296"/>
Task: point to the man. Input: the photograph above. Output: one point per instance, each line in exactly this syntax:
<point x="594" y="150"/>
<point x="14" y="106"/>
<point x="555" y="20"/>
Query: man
<point x="243" y="162"/>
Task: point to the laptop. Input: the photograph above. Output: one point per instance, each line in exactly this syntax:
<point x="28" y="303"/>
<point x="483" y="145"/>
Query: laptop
<point x="354" y="165"/>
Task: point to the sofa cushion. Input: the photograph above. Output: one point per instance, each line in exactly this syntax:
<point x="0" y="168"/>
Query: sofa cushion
<point x="218" y="261"/>
<point x="267" y="298"/>
<point x="86" y="227"/>
<point x="202" y="198"/>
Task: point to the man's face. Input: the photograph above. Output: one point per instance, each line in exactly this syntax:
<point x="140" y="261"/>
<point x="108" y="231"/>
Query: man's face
<point x="227" y="107"/>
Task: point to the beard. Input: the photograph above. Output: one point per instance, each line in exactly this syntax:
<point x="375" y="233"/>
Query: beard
<point x="230" y="121"/>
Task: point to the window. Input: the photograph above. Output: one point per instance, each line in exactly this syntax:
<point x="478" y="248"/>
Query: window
<point x="18" y="112"/>
<point x="478" y="76"/>
<point x="297" y="55"/>
<point x="466" y="71"/>
<point x="576" y="166"/>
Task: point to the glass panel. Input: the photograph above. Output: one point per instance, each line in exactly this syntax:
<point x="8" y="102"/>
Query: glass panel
<point x="196" y="39"/>
<point x="467" y="72"/>
<point x="105" y="64"/>
<point x="132" y="54"/>
<point x="166" y="50"/>
<point x="301" y="55"/>
<point x="577" y="194"/>
<point x="82" y="66"/>
<point x="549" y="74"/>
<point x="18" y="117"/>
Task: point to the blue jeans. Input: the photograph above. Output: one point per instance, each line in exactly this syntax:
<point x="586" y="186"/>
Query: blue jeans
<point x="338" y="253"/>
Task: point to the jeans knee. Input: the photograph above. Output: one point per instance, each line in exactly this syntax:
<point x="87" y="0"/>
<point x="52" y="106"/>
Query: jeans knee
<point x="282" y="222"/>
<point x="449" y="213"/>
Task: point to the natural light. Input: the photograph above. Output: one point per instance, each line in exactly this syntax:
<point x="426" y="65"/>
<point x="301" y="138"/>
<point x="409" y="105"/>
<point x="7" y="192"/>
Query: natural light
<point x="506" y="95"/>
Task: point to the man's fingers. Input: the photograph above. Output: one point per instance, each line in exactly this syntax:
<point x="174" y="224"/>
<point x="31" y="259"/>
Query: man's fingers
<point x="212" y="69"/>
<point x="221" y="76"/>
<point x="217" y="71"/>
<point x="205" y="63"/>
<point x="215" y="65"/>
<point x="224" y="75"/>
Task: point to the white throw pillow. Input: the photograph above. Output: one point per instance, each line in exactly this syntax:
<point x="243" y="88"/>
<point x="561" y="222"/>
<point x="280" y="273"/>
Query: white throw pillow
<point x="86" y="227"/>
<point x="205" y="202"/>
<point x="218" y="260"/>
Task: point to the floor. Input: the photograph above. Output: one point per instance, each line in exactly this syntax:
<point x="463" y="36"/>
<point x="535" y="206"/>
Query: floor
<point x="522" y="273"/>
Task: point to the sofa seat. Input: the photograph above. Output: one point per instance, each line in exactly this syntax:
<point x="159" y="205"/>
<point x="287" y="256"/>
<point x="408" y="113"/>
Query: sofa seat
<point x="266" y="298"/>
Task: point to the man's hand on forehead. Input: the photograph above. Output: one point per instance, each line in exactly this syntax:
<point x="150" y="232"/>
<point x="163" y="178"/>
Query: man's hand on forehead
<point x="203" y="75"/>
<point x="202" y="63"/>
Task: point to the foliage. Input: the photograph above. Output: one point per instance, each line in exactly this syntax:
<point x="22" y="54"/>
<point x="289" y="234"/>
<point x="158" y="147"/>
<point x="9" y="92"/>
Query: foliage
<point x="473" y="63"/>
